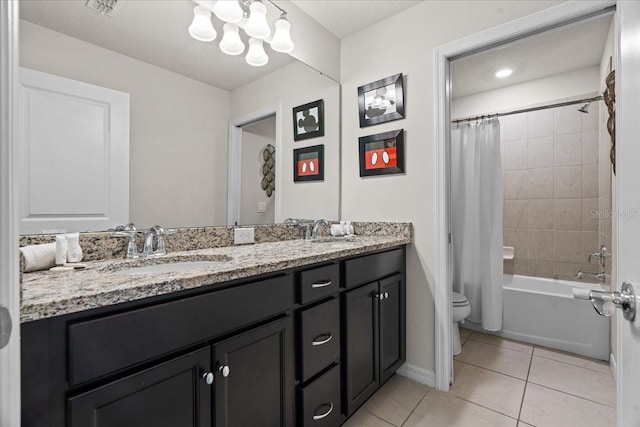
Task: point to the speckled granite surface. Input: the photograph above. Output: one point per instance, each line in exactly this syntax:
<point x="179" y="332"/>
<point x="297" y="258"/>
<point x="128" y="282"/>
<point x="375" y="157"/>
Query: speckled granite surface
<point x="102" y="283"/>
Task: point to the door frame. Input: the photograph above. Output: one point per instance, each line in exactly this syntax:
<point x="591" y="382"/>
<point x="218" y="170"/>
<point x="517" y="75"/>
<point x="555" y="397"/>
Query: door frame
<point x="9" y="273"/>
<point x="544" y="20"/>
<point x="234" y="165"/>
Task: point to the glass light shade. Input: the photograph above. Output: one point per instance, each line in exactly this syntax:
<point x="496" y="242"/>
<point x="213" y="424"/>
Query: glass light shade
<point x="228" y="10"/>
<point x="257" y="26"/>
<point x="231" y="44"/>
<point x="281" y="41"/>
<point x="256" y="55"/>
<point x="201" y="28"/>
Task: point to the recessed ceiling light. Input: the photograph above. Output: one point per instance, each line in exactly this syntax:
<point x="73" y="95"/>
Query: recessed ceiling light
<point x="505" y="72"/>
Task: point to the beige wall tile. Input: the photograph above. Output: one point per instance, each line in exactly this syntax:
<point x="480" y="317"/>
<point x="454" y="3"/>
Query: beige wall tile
<point x="589" y="214"/>
<point x="540" y="268"/>
<point x="520" y="265"/>
<point x="590" y="147"/>
<point x="567" y="246"/>
<point x="541" y="245"/>
<point x="567" y="150"/>
<point x="519" y="239"/>
<point x="566" y="120"/>
<point x="540" y="183"/>
<point x="516" y="214"/>
<point x="590" y="244"/>
<point x="565" y="270"/>
<point x="540" y="123"/>
<point x="543" y="406"/>
<point x="515" y="155"/>
<point x="567" y="214"/>
<point x="516" y="184"/>
<point x="568" y="182"/>
<point x="590" y="181"/>
<point x="540" y="214"/>
<point x="508" y="266"/>
<point x="540" y="152"/>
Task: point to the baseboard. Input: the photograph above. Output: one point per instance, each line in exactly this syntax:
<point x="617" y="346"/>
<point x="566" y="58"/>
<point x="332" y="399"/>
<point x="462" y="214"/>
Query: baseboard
<point x="420" y="375"/>
<point x="614" y="367"/>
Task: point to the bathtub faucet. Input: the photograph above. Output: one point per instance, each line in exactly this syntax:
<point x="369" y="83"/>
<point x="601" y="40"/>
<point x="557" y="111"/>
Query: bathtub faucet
<point x="602" y="277"/>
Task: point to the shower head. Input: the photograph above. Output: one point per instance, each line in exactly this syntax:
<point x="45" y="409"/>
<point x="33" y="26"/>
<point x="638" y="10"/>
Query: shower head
<point x="584" y="108"/>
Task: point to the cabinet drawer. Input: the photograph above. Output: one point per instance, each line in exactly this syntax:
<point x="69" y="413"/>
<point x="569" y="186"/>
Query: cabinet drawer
<point x="318" y="282"/>
<point x="369" y="268"/>
<point x="320" y="337"/>
<point x="111" y="343"/>
<point x="321" y="400"/>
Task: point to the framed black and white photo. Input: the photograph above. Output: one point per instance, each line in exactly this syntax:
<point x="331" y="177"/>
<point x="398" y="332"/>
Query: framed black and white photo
<point x="382" y="154"/>
<point x="308" y="120"/>
<point x="308" y="164"/>
<point x="381" y="101"/>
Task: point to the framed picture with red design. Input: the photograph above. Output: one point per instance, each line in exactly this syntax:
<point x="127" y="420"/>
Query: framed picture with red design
<point x="308" y="164"/>
<point x="382" y="154"/>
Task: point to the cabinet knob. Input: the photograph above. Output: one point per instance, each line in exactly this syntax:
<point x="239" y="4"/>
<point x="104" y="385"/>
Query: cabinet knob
<point x="224" y="370"/>
<point x="208" y="377"/>
<point x="386" y="295"/>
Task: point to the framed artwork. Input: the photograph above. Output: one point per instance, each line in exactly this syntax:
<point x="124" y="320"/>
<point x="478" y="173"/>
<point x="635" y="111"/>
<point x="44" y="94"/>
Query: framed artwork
<point x="308" y="120"/>
<point x="382" y="154"/>
<point x="381" y="101"/>
<point x="308" y="164"/>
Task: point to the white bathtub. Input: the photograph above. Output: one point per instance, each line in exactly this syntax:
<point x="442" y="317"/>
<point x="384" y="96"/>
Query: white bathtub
<point x="543" y="312"/>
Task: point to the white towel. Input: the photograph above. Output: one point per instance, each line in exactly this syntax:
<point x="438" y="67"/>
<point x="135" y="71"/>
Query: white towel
<point x="39" y="257"/>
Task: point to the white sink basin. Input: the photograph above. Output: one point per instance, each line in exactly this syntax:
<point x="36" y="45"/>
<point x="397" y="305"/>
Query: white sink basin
<point x="175" y="267"/>
<point x="168" y="264"/>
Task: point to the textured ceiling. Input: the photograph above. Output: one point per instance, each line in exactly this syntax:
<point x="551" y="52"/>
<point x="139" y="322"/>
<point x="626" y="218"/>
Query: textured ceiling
<point x="346" y="17"/>
<point x="154" y="32"/>
<point x="565" y="49"/>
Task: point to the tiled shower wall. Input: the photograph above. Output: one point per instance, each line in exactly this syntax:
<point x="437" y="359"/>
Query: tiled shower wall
<point x="551" y="190"/>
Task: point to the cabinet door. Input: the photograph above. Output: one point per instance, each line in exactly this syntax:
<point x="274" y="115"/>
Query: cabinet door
<point x="257" y="389"/>
<point x="170" y="394"/>
<point x="392" y="325"/>
<point x="361" y="345"/>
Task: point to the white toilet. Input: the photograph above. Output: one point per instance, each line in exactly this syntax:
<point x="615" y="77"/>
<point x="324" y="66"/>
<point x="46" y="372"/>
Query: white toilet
<point x="461" y="309"/>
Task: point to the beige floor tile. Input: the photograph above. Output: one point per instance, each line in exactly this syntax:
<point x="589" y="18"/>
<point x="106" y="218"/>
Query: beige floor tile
<point x="596" y="386"/>
<point x="499" y="359"/>
<point x="396" y="399"/>
<point x="364" y="419"/>
<point x="464" y="334"/>
<point x="502" y="342"/>
<point x="440" y="409"/>
<point x="573" y="359"/>
<point x="549" y="408"/>
<point x="521" y="424"/>
<point x="490" y="389"/>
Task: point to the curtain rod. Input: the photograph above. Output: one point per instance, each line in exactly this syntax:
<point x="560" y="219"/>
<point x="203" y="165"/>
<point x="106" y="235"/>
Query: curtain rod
<point x="528" y="110"/>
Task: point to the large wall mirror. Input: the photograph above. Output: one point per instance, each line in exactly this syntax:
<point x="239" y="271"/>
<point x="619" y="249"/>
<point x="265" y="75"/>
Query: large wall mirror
<point x="185" y="99"/>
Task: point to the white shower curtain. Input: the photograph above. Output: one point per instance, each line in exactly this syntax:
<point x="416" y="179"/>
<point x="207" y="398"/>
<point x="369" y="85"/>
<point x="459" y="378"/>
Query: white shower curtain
<point x="476" y="207"/>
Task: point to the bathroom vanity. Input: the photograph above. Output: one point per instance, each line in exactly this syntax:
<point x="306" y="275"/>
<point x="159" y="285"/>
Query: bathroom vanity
<point x="283" y="333"/>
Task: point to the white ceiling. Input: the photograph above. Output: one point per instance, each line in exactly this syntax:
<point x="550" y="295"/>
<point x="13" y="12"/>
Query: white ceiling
<point x="346" y="17"/>
<point x="565" y="49"/>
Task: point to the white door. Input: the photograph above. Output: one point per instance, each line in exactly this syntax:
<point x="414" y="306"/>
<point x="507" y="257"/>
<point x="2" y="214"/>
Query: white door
<point x="9" y="288"/>
<point x="628" y="206"/>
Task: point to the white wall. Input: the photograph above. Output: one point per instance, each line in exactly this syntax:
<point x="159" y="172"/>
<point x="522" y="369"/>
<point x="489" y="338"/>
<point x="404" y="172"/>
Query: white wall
<point x="254" y="139"/>
<point x="541" y="91"/>
<point x="178" y="127"/>
<point x="404" y="43"/>
<point x="294" y="85"/>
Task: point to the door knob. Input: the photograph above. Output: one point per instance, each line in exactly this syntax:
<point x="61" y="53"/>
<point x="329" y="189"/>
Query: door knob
<point x="224" y="370"/>
<point x="605" y="302"/>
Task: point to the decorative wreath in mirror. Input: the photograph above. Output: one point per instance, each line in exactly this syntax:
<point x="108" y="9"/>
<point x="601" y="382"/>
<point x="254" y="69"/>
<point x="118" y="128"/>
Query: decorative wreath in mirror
<point x="269" y="169"/>
<point x="610" y="100"/>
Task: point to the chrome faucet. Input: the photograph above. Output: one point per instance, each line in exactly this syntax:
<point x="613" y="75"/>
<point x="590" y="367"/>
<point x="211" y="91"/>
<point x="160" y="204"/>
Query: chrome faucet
<point x="316" y="227"/>
<point x="158" y="233"/>
<point x="602" y="277"/>
<point x="601" y="255"/>
<point x="129" y="231"/>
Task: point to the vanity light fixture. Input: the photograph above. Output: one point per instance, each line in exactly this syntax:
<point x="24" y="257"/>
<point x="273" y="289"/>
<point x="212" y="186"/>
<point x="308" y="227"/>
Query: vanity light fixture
<point x="249" y="15"/>
<point x="505" y="72"/>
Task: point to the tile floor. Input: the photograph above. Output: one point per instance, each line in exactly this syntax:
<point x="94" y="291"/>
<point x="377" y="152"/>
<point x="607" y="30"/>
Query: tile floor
<point x="499" y="382"/>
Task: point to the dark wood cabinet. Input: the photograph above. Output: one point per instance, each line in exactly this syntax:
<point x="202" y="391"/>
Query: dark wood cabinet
<point x="174" y="393"/>
<point x="392" y="325"/>
<point x="254" y="377"/>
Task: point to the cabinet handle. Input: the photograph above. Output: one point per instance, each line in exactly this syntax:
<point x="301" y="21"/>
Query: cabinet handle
<point x="321" y="284"/>
<point x="326" y="414"/>
<point x="224" y="370"/>
<point x="316" y="341"/>
<point x="208" y="377"/>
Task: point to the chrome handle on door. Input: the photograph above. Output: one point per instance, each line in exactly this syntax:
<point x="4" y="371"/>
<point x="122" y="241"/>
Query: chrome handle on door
<point x="207" y="377"/>
<point x="605" y="302"/>
<point x="321" y="284"/>
<point x="326" y="414"/>
<point x="316" y="341"/>
<point x="224" y="370"/>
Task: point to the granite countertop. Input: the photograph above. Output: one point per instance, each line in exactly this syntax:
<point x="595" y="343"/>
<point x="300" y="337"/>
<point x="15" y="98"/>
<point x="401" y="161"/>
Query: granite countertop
<point x="47" y="294"/>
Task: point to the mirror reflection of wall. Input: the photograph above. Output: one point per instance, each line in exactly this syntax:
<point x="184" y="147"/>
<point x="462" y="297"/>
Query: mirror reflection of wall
<point x="180" y="109"/>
